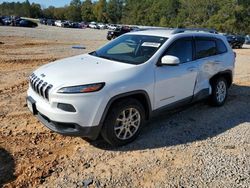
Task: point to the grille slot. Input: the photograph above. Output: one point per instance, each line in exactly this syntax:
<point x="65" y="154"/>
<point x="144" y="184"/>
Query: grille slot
<point x="41" y="87"/>
<point x="41" y="91"/>
<point x="46" y="93"/>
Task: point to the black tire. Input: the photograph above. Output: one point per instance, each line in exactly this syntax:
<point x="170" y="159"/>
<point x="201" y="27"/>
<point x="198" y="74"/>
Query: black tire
<point x="108" y="130"/>
<point x="215" y="100"/>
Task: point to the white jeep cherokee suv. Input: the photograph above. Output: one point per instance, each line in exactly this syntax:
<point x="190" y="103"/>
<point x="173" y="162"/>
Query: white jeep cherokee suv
<point x="113" y="90"/>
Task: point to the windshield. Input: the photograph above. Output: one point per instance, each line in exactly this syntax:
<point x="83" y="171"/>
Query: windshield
<point x="132" y="49"/>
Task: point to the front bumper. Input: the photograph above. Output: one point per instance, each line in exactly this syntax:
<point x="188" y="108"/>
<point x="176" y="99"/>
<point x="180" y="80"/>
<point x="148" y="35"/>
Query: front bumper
<point x="85" y="122"/>
<point x="69" y="129"/>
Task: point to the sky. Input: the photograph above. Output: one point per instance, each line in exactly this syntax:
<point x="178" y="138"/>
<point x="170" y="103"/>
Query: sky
<point x="44" y="3"/>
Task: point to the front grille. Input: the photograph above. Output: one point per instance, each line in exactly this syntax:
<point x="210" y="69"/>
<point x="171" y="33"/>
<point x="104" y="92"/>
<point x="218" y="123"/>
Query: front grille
<point x="41" y="87"/>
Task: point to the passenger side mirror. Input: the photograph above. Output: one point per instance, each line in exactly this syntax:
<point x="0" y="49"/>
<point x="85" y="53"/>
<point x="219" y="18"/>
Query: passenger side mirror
<point x="170" y="60"/>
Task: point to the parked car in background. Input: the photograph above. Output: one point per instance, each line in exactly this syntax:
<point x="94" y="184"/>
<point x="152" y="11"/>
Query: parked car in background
<point x="1" y="21"/>
<point x="83" y="25"/>
<point x="43" y="21"/>
<point x="235" y="41"/>
<point x="74" y="25"/>
<point x="7" y="21"/>
<point x="247" y="39"/>
<point x="239" y="41"/>
<point x="93" y="25"/>
<point x="10" y="21"/>
<point x="27" y="23"/>
<point x="50" y="22"/>
<point x="101" y="26"/>
<point x="58" y="23"/>
<point x="112" y="26"/>
<point x="118" y="32"/>
<point x="66" y="24"/>
<point x="62" y="23"/>
<point x="16" y="21"/>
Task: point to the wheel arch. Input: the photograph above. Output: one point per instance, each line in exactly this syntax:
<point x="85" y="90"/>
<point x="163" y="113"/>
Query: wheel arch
<point x="227" y="74"/>
<point x="140" y="95"/>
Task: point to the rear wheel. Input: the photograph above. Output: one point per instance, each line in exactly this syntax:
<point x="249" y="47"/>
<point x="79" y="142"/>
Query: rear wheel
<point x="219" y="92"/>
<point x="123" y="122"/>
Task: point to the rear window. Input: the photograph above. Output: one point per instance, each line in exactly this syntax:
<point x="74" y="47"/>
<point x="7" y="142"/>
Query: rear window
<point x="205" y="48"/>
<point x="221" y="48"/>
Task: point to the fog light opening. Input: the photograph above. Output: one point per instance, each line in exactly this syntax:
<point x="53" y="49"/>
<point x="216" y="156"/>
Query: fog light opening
<point x="66" y="107"/>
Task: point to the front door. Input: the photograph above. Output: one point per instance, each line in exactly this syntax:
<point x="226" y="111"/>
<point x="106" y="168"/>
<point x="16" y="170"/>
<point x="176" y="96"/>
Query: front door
<point x="175" y="83"/>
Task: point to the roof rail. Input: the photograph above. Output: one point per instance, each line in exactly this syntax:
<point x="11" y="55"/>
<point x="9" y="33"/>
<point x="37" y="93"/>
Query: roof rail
<point x="182" y="30"/>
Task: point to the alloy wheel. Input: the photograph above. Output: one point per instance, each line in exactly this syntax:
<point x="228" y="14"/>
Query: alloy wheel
<point x="221" y="91"/>
<point x="127" y="123"/>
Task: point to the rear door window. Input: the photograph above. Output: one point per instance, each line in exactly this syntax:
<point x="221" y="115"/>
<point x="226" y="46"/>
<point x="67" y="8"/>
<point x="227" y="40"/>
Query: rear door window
<point x="205" y="48"/>
<point x="221" y="47"/>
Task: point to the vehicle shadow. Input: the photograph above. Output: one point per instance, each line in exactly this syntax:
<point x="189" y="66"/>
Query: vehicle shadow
<point x="7" y="167"/>
<point x="189" y="124"/>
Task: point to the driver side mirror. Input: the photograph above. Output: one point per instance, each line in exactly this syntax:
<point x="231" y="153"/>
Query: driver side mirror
<point x="170" y="60"/>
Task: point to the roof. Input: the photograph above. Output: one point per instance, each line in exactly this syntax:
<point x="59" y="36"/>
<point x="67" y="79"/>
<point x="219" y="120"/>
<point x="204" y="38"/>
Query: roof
<point x="170" y="32"/>
<point x="155" y="32"/>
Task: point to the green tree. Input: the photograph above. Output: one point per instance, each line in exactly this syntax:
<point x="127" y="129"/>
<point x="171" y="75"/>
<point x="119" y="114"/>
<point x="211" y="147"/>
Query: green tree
<point x="114" y="11"/>
<point x="49" y="12"/>
<point x="100" y="11"/>
<point x="224" y="15"/>
<point x="73" y="11"/>
<point x="87" y="11"/>
<point x="196" y="13"/>
<point x="59" y="13"/>
<point x="242" y="16"/>
<point x="164" y="13"/>
<point x="26" y="9"/>
<point x="17" y="9"/>
<point x="35" y="10"/>
<point x="224" y="20"/>
<point x="134" y="12"/>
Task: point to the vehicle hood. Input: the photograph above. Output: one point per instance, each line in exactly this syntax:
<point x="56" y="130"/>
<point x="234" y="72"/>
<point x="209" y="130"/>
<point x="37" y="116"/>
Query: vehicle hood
<point x="83" y="69"/>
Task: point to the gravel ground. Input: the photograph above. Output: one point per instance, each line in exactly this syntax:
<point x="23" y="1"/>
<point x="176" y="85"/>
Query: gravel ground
<point x="196" y="146"/>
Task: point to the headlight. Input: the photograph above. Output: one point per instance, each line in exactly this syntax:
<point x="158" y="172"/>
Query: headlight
<point x="82" y="89"/>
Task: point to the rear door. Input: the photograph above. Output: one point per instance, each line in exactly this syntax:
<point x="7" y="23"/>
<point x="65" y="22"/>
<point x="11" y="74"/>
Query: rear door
<point x="210" y="55"/>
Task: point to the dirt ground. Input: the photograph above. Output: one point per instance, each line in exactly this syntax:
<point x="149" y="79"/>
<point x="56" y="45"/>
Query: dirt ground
<point x="198" y="146"/>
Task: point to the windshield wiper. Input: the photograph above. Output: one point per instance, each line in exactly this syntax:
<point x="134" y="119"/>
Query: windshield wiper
<point x="94" y="53"/>
<point x="105" y="57"/>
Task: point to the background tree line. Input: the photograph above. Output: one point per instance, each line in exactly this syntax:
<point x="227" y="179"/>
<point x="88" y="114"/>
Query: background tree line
<point x="224" y="15"/>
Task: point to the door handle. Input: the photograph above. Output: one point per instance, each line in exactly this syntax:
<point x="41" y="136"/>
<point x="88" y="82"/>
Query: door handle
<point x="217" y="62"/>
<point x="191" y="69"/>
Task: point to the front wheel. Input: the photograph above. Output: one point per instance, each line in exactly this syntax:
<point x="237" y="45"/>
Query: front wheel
<point x="123" y="122"/>
<point x="219" y="92"/>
